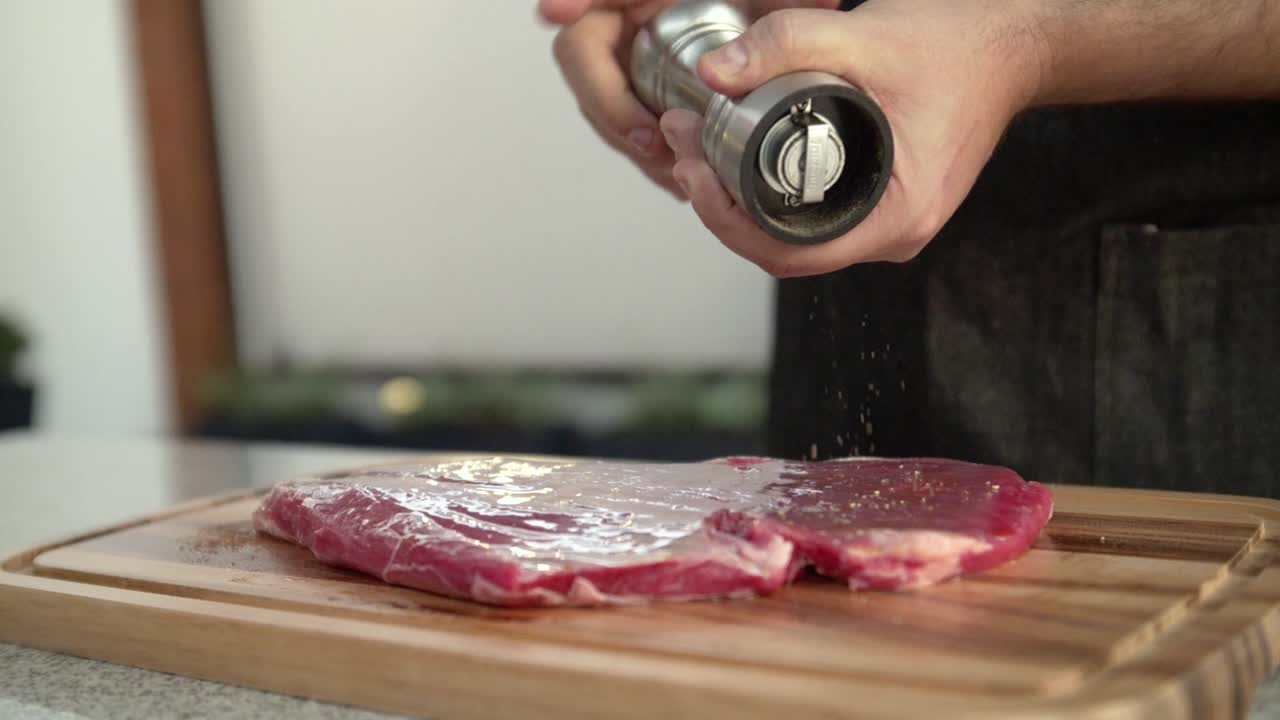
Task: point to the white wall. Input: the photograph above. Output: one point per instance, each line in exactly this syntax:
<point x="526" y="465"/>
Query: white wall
<point x="75" y="252"/>
<point x="408" y="181"/>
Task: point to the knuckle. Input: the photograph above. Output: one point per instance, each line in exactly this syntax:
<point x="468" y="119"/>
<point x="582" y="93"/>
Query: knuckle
<point x="596" y="125"/>
<point x="706" y="221"/>
<point x="905" y="253"/>
<point x="779" y="31"/>
<point x="778" y="268"/>
<point x="927" y="225"/>
<point x="562" y="47"/>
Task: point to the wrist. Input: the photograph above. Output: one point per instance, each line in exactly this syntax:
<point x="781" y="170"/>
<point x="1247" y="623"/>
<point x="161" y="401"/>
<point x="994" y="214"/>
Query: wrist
<point x="1025" y="52"/>
<point x="1114" y="51"/>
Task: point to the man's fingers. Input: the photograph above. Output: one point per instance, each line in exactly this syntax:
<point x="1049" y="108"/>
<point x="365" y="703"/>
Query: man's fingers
<point x="585" y="51"/>
<point x="683" y="132"/>
<point x="664" y="179"/>
<point x="760" y="8"/>
<point x="874" y="240"/>
<point x="778" y="43"/>
<point x="710" y="200"/>
<point x="731" y="224"/>
<point x="718" y="212"/>
<point x="724" y="217"/>
<point x="657" y="168"/>
<point x="565" y="12"/>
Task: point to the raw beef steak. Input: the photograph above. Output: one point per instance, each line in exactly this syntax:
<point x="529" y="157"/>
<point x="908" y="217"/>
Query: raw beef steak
<point x="523" y="532"/>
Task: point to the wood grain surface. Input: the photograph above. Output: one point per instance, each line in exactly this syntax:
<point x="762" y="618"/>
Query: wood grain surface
<point x="1132" y="604"/>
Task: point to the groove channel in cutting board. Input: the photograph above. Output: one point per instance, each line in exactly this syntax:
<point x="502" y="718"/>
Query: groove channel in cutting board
<point x="1170" y="606"/>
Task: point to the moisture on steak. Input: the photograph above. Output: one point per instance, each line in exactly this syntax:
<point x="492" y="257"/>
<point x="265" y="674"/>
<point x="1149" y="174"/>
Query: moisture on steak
<point x="518" y="532"/>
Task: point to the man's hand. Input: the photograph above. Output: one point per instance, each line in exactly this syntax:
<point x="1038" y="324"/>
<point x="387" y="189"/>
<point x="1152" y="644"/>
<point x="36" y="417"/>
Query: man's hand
<point x="949" y="77"/>
<point x="594" y="51"/>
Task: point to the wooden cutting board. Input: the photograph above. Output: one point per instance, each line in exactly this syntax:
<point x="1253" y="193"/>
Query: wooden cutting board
<point x="1132" y="604"/>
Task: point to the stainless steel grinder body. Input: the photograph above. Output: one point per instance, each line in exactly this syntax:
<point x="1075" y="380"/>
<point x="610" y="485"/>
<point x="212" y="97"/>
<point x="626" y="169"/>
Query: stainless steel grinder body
<point x="806" y="154"/>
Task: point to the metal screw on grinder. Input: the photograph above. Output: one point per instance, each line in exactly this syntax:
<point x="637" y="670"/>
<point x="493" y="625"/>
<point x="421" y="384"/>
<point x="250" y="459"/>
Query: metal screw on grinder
<point x="806" y="154"/>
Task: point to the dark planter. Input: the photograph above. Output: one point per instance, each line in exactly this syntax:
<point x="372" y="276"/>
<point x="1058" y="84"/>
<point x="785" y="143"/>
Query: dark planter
<point x="16" y="403"/>
<point x="319" y="431"/>
<point x="541" y="441"/>
<point x="336" y="431"/>
<point x="688" y="446"/>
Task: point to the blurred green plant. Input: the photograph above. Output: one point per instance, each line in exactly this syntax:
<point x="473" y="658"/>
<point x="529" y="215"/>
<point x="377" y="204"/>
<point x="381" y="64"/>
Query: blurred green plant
<point x="734" y="404"/>
<point x="494" y="399"/>
<point x="282" y="397"/>
<point x="664" y="402"/>
<point x="656" y="402"/>
<point x="689" y="401"/>
<point x="12" y="343"/>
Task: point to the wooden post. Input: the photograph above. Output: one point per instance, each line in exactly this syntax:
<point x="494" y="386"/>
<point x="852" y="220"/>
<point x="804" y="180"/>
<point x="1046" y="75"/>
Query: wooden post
<point x="185" y="193"/>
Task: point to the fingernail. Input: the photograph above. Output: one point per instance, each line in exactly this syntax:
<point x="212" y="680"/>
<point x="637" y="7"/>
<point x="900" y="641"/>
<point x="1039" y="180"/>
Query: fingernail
<point x="641" y="139"/>
<point x="682" y="181"/>
<point x="729" y="59"/>
<point x="669" y="135"/>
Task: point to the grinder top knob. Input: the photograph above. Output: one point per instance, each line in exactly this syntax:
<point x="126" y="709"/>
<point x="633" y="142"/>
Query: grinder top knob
<point x="802" y="156"/>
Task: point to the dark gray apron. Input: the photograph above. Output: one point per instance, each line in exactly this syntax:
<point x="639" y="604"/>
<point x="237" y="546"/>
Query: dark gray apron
<point x="1104" y="308"/>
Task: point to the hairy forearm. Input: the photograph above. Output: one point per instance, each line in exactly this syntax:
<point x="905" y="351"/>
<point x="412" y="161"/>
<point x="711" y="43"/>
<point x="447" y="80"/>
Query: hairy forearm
<point x="1115" y="50"/>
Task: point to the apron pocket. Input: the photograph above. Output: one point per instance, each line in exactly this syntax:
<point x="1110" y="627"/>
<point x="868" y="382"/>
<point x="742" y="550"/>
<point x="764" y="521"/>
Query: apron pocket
<point x="1187" y="368"/>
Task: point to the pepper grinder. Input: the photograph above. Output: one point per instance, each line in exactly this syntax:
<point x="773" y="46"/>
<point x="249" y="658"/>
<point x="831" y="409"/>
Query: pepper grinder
<point x="806" y="154"/>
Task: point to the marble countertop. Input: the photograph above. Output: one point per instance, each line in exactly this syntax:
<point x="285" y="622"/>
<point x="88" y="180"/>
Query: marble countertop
<point x="56" y="486"/>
